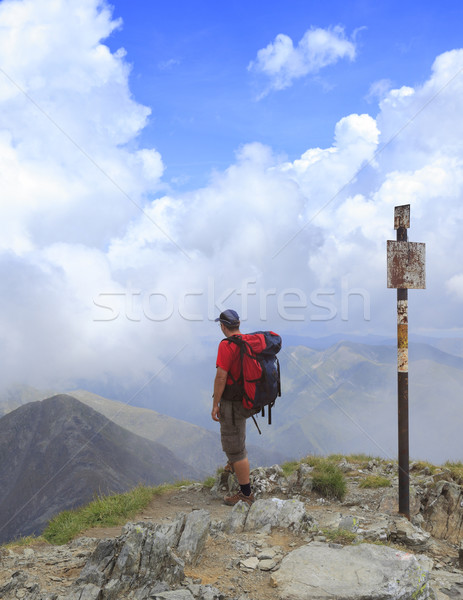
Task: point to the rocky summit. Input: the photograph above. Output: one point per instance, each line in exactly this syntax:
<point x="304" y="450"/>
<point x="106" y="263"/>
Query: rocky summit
<point x="291" y="544"/>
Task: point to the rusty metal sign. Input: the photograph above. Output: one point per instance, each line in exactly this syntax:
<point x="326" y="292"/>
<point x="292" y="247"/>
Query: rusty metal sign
<point x="406" y="265"/>
<point x="402" y="216"/>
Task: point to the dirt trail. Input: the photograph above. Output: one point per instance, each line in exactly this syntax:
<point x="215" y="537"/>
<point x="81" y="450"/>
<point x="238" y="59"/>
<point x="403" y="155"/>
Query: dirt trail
<point x="218" y="565"/>
<point x="221" y="562"/>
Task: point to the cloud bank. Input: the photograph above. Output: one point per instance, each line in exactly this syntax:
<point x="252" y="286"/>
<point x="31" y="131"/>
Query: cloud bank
<point x="104" y="277"/>
<point x="282" y="62"/>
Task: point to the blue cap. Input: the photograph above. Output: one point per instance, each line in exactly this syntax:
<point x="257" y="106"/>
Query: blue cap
<point x="229" y="317"/>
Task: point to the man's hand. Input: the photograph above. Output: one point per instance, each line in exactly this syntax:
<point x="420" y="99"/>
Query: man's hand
<point x="215" y="414"/>
<point x="219" y="386"/>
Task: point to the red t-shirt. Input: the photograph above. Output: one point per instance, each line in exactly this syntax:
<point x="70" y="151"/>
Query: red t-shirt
<point x="228" y="359"/>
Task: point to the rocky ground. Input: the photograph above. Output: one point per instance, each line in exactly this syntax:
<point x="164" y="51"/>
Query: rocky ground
<point x="235" y="554"/>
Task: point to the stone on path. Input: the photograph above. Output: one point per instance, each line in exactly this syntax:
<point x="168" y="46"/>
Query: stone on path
<point x="274" y="512"/>
<point x="318" y="571"/>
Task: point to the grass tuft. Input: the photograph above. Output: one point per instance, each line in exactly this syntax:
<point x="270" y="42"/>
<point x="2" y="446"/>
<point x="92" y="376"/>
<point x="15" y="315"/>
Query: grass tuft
<point x="289" y="467"/>
<point x="209" y="482"/>
<point x="339" y="536"/>
<point x="456" y="470"/>
<point x="420" y="465"/>
<point x="328" y="480"/>
<point x="315" y="460"/>
<point x="375" y="481"/>
<point x="25" y="541"/>
<point x="104" y="511"/>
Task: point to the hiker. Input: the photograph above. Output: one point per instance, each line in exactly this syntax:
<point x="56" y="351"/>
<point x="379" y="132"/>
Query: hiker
<point x="228" y="409"/>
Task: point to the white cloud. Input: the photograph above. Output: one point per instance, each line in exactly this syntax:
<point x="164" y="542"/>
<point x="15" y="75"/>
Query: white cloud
<point x="379" y="89"/>
<point x="318" y="48"/>
<point x="455" y="285"/>
<point x="94" y="288"/>
<point x="66" y="116"/>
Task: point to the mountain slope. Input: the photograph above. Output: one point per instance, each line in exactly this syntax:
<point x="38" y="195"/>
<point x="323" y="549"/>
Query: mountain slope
<point x="59" y="453"/>
<point x="191" y="443"/>
<point x="195" y="445"/>
<point x="15" y="396"/>
<point x="344" y="399"/>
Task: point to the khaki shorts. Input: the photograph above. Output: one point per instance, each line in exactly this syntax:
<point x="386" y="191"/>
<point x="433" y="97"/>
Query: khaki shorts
<point x="233" y="435"/>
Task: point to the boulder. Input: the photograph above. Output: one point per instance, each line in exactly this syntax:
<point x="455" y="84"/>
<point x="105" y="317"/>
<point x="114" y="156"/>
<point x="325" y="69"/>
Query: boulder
<point x="318" y="571"/>
<point x="194" y="535"/>
<point x="142" y="555"/>
<point x="274" y="512"/>
<point x="237" y="518"/>
<point x="404" y="532"/>
<point x="442" y="509"/>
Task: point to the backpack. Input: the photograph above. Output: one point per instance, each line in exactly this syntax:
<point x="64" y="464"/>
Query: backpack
<point x="259" y="380"/>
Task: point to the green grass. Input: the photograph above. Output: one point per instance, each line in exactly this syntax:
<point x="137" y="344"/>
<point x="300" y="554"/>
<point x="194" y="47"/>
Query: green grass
<point x="339" y="536"/>
<point x="25" y="541"/>
<point x="289" y="467"/>
<point x="420" y="465"/>
<point x="328" y="480"/>
<point x="104" y="511"/>
<point x="456" y="470"/>
<point x="315" y="460"/>
<point x="209" y="482"/>
<point x="375" y="481"/>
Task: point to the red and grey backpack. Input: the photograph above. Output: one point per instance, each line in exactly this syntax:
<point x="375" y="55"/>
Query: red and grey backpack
<point x="259" y="380"/>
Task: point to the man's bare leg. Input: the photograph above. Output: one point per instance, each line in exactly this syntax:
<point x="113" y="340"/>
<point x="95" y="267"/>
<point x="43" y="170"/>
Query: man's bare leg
<point x="242" y="471"/>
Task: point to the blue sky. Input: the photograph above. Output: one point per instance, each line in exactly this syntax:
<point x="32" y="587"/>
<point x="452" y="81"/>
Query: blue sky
<point x="190" y="64"/>
<point x="160" y="162"/>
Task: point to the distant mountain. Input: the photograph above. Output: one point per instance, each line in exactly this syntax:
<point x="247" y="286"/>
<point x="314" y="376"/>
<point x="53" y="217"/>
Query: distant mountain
<point x="344" y="399"/>
<point x="195" y="445"/>
<point x="59" y="453"/>
<point x="17" y="395"/>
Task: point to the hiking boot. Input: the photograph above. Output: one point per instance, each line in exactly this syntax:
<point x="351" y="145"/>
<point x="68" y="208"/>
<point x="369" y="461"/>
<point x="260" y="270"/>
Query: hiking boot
<point x="238" y="497"/>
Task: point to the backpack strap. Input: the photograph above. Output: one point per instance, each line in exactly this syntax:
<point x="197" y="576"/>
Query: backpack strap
<point x="255" y="423"/>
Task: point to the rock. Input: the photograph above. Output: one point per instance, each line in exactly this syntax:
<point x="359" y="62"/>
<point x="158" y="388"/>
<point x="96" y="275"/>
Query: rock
<point x="353" y="572"/>
<point x="174" y="595"/>
<point x="379" y="531"/>
<point x="237" y="518"/>
<point x="443" y="475"/>
<point x="293" y="515"/>
<point x="194" y="535"/>
<point x="205" y="592"/>
<point x="274" y="512"/>
<point x="250" y="564"/>
<point x="268" y="564"/>
<point x="409" y="535"/>
<point x="389" y="502"/>
<point x="304" y="478"/>
<point x="349" y="524"/>
<point x="225" y="484"/>
<point x="442" y="509"/>
<point x="263" y="512"/>
<point x="460" y="555"/>
<point x="138" y="558"/>
<point x="86" y="592"/>
<point x="267" y="553"/>
<point x="345" y="466"/>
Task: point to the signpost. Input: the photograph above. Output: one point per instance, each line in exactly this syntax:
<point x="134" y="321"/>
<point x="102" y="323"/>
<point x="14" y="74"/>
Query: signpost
<point x="405" y="270"/>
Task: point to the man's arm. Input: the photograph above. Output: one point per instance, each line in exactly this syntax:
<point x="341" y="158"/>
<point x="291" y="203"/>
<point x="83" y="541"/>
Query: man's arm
<point x="220" y="382"/>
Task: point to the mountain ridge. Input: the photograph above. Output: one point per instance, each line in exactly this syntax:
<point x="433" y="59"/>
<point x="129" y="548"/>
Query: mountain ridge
<point x="58" y="453"/>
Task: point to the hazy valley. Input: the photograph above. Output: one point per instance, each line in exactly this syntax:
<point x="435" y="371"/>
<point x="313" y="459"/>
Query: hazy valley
<point x="61" y="452"/>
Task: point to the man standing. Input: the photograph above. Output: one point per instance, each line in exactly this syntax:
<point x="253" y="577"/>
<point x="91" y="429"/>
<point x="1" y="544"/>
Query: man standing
<point x="228" y="409"/>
